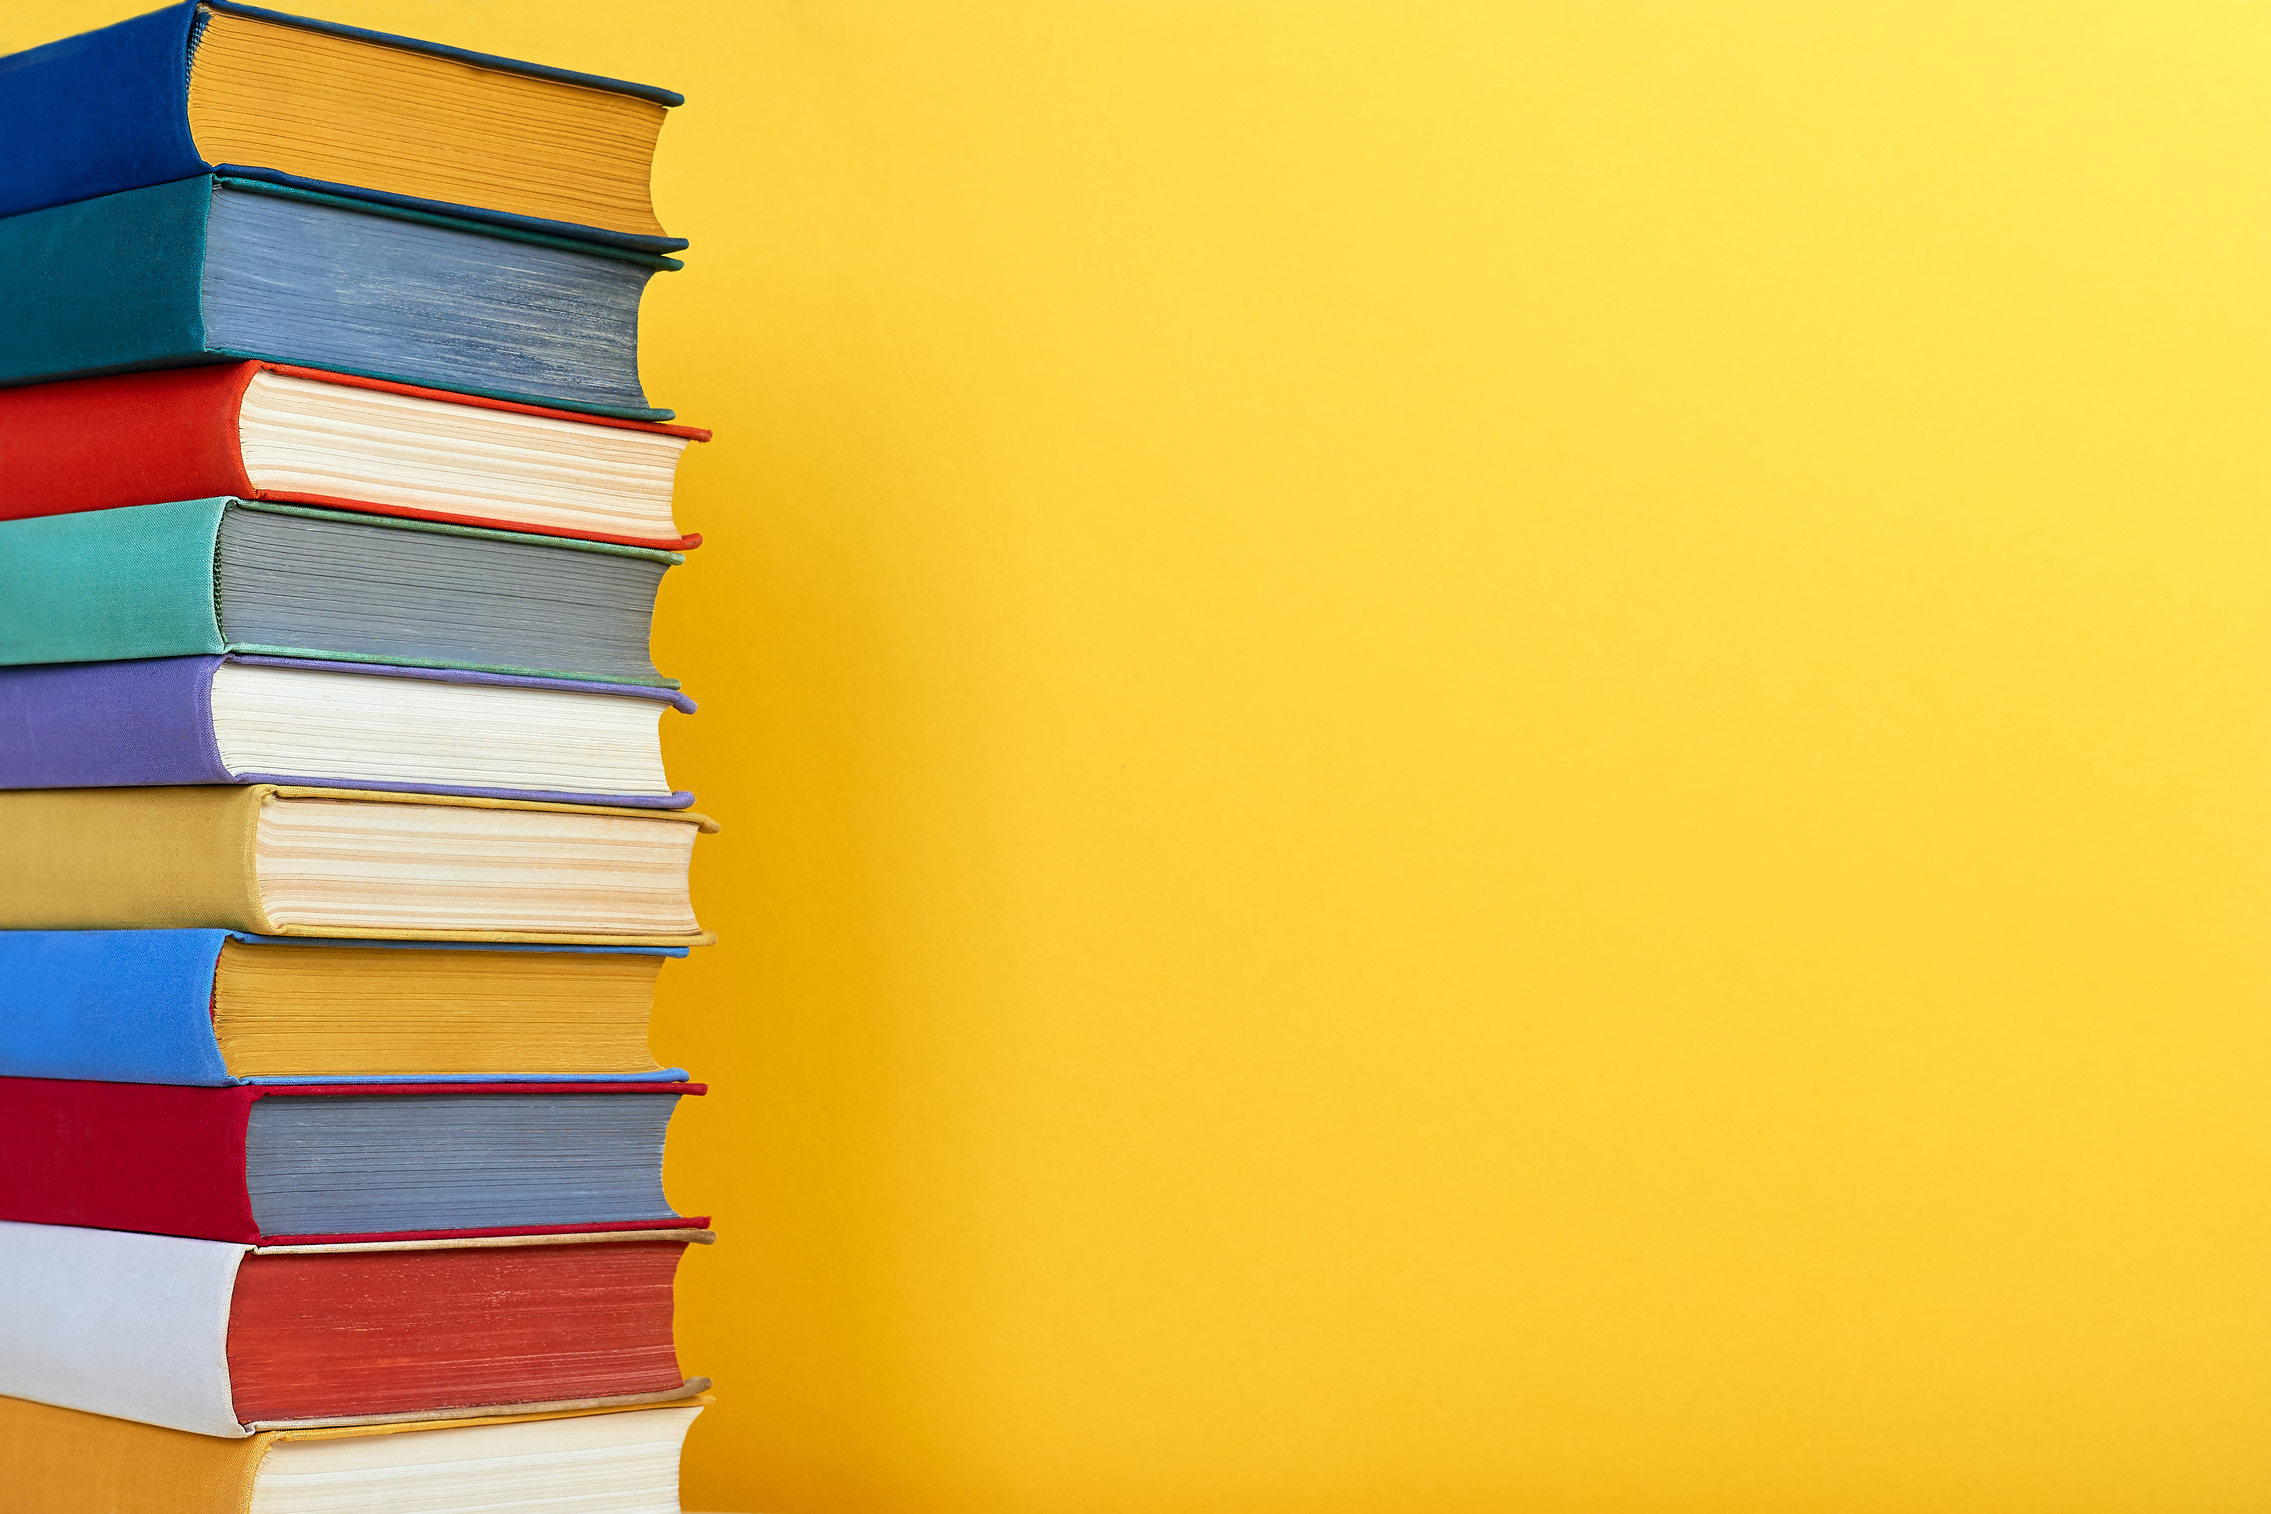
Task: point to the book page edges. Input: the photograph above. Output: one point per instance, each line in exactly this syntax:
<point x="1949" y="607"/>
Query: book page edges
<point x="376" y="796"/>
<point x="692" y="1237"/>
<point x="480" y="402"/>
<point x="701" y="1399"/>
<point x="693" y="1387"/>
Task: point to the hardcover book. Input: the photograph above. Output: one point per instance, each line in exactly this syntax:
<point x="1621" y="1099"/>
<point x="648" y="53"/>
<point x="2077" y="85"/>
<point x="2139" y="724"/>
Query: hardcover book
<point x="277" y="861"/>
<point x="210" y="270"/>
<point x="314" y="1163"/>
<point x="217" y="86"/>
<point x="303" y="436"/>
<point x="230" y="1340"/>
<point x="232" y="575"/>
<point x="234" y="719"/>
<point x="623" y="1460"/>
<point x="215" y="1008"/>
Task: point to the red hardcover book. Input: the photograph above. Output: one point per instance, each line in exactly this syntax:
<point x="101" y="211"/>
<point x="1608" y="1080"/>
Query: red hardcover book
<point x="260" y="430"/>
<point x="303" y="1164"/>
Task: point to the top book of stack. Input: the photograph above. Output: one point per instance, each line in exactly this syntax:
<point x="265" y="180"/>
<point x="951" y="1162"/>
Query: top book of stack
<point x="214" y="87"/>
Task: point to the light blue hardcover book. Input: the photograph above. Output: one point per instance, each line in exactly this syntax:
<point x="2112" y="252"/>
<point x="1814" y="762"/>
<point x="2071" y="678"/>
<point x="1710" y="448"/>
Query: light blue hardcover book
<point x="219" y="1008"/>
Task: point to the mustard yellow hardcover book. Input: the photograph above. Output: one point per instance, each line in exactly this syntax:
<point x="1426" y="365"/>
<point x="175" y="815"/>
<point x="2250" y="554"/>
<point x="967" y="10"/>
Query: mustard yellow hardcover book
<point x="282" y="861"/>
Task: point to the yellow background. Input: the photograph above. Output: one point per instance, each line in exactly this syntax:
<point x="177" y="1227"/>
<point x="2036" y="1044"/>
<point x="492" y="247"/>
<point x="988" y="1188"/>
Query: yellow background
<point x="1477" y="757"/>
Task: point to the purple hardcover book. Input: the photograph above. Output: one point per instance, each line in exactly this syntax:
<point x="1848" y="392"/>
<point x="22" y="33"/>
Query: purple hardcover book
<point x="246" y="719"/>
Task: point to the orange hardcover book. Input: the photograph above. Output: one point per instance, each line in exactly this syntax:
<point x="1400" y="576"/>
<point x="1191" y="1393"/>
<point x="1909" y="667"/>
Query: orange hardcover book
<point x="62" y="1461"/>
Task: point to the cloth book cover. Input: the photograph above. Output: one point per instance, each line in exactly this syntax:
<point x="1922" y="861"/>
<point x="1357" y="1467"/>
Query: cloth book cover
<point x="270" y="860"/>
<point x="164" y="722"/>
<point x="248" y="576"/>
<point x="331" y="1163"/>
<point x="221" y="269"/>
<point x="270" y="431"/>
<point x="221" y="87"/>
<point x="65" y="1461"/>
<point x="205" y="1008"/>
<point x="224" y="1339"/>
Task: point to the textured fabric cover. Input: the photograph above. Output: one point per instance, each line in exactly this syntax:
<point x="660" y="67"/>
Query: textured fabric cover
<point x="107" y="724"/>
<point x="114" y="1323"/>
<point x="149" y="723"/>
<point x="130" y="1006"/>
<point x="112" y="585"/>
<point x="170" y="1160"/>
<point x="123" y="439"/>
<point x="126" y="1156"/>
<point x="135" y="1006"/>
<point x="108" y="284"/>
<point x="97" y="113"/>
<point x="169" y="858"/>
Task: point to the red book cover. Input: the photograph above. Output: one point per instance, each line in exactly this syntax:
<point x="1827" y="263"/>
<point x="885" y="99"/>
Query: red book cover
<point x="170" y="1160"/>
<point x="149" y="438"/>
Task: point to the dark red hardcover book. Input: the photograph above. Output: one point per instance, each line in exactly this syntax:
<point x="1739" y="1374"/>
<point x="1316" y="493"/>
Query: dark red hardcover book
<point x="150" y="438"/>
<point x="299" y="1164"/>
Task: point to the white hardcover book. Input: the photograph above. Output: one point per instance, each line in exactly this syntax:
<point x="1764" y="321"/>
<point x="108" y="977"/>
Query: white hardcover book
<point x="224" y="1339"/>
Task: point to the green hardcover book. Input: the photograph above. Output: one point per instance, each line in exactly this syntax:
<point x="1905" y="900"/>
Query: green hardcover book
<point x="203" y="576"/>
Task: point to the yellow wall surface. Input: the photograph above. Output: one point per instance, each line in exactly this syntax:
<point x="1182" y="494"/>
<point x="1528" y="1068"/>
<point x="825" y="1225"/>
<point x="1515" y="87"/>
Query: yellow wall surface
<point x="1477" y="756"/>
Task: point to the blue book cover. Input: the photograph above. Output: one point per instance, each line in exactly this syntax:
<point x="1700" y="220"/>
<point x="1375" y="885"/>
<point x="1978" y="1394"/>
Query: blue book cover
<point x="144" y="1006"/>
<point x="109" y="110"/>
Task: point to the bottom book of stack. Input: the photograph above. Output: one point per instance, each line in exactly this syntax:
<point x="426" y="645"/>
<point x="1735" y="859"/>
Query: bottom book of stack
<point x="592" y="1461"/>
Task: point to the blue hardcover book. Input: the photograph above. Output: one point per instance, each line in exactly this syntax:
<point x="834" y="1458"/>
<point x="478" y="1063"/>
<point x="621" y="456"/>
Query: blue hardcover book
<point x="218" y="1008"/>
<point x="221" y="87"/>
<point x="213" y="270"/>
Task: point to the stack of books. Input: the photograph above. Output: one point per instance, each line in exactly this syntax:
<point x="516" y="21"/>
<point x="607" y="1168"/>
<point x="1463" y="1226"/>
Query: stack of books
<point x="337" y="859"/>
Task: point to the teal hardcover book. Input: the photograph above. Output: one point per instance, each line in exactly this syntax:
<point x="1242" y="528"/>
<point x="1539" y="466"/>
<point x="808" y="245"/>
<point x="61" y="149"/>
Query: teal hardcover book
<point x="253" y="576"/>
<point x="218" y="269"/>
